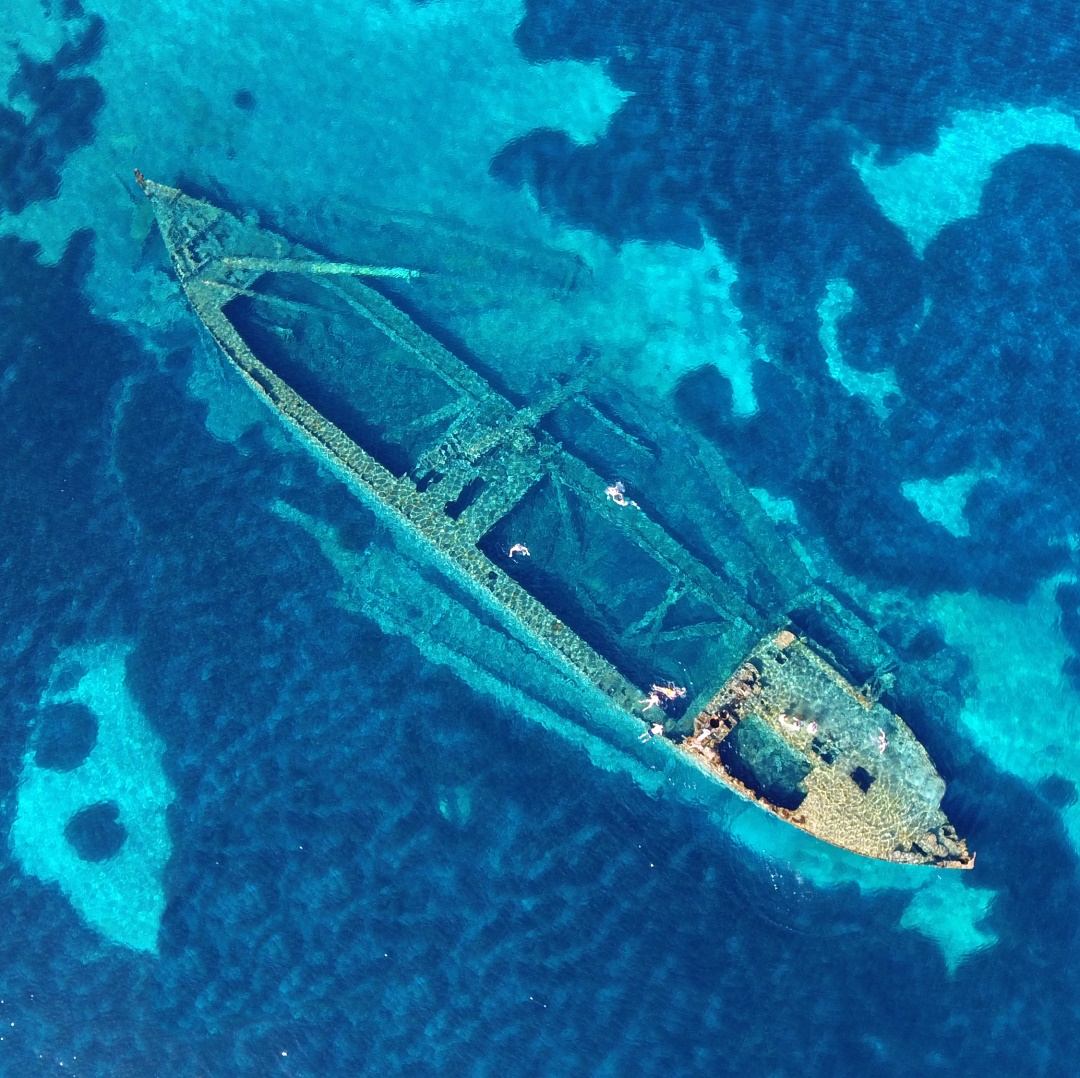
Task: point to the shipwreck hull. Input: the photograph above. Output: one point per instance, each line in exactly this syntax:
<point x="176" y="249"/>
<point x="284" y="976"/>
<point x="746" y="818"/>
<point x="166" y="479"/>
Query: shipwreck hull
<point x="626" y="592"/>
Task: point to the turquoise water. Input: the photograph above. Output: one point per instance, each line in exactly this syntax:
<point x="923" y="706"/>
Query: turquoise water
<point x="280" y="799"/>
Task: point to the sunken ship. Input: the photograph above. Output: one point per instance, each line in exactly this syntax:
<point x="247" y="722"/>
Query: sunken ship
<point x="561" y="515"/>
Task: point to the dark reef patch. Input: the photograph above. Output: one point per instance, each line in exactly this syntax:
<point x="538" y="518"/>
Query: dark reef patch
<point x="95" y="833"/>
<point x="65" y="735"/>
<point x="1058" y="790"/>
<point x="62" y="108"/>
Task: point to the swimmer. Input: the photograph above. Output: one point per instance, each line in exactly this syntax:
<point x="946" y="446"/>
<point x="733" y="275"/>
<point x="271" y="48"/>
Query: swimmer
<point x="655" y="730"/>
<point x="812" y="727"/>
<point x="652" y="700"/>
<point x="670" y="691"/>
<point x="519" y="548"/>
<point x="711" y="727"/>
<point x="882" y="741"/>
<point x="788" y="722"/>
<point x="617" y="493"/>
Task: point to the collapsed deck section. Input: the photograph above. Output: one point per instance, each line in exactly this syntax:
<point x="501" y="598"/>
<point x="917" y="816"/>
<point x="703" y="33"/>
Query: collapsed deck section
<point x="627" y="586"/>
<point x="789" y="731"/>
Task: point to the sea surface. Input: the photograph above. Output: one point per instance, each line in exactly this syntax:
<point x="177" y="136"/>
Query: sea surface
<point x="258" y="823"/>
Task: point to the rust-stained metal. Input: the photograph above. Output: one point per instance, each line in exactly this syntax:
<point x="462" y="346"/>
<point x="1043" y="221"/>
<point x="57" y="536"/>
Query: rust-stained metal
<point x="861" y="778"/>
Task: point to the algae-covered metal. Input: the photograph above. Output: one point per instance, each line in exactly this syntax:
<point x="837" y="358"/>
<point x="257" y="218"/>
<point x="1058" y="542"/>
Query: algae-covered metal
<point x="633" y="597"/>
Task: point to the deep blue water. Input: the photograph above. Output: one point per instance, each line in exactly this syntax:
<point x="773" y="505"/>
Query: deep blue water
<point x="339" y="903"/>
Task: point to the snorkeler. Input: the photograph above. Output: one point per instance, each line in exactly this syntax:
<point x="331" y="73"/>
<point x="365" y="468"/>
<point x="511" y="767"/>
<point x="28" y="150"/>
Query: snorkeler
<point x="617" y="493"/>
<point x="711" y="727"/>
<point x="519" y="548"/>
<point x="670" y="691"/>
<point x="661" y="694"/>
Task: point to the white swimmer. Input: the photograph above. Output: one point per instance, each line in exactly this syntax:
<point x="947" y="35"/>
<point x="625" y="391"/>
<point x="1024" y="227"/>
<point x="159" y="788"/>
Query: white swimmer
<point x="882" y="741"/>
<point x="788" y="722"/>
<point x="617" y="493"/>
<point x="709" y="729"/>
<point x="670" y="691"/>
<point x="519" y="548"/>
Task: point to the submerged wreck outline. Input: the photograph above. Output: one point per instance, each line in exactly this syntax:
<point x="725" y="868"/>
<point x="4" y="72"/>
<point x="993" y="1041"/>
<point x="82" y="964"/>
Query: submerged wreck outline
<point x="772" y="717"/>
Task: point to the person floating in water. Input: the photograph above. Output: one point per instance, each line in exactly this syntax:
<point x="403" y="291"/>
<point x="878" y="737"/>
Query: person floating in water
<point x="662" y="694"/>
<point x="617" y="493"/>
<point x="882" y="741"/>
<point x="792" y="723"/>
<point x="655" y="730"/>
<point x="670" y="691"/>
<point x="519" y="548"/>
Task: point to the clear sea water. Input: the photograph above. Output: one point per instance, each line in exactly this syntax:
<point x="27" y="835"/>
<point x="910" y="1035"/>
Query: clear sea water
<point x="255" y="824"/>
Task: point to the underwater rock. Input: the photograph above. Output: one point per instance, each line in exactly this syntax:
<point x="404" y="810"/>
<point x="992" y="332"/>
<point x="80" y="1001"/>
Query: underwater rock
<point x="1058" y="790"/>
<point x="96" y="833"/>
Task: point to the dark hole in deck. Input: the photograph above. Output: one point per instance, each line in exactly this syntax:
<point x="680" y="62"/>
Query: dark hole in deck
<point x="468" y="495"/>
<point x="862" y="778"/>
<point x="762" y="760"/>
<point x="426" y="481"/>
